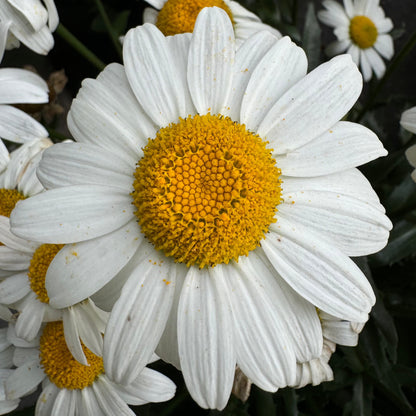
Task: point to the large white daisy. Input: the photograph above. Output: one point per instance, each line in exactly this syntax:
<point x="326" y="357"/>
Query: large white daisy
<point x="70" y="388"/>
<point x="408" y="122"/>
<point x="178" y="16"/>
<point x="29" y="22"/>
<point x="361" y="28"/>
<point x="221" y="241"/>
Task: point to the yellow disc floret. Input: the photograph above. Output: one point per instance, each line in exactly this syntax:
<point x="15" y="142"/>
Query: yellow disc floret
<point x="39" y="264"/>
<point x="8" y="200"/>
<point x="59" y="364"/>
<point x="206" y="190"/>
<point x="179" y="16"/>
<point x="363" y="32"/>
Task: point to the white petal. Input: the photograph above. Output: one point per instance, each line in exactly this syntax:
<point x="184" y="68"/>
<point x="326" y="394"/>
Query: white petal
<point x="334" y="15"/>
<point x="72" y="336"/>
<point x="53" y="19"/>
<point x="205" y="338"/>
<point x="33" y="11"/>
<point x="157" y="4"/>
<point x="139" y="316"/>
<point x="19" y="342"/>
<point x="384" y="46"/>
<point x="312" y="105"/>
<point x="282" y="66"/>
<point x="210" y="62"/>
<point x="65" y="403"/>
<point x="30" y="318"/>
<point x="89" y="403"/>
<point x="365" y="65"/>
<point x="245" y="29"/>
<point x="80" y="269"/>
<point x="4" y="32"/>
<point x="72" y="213"/>
<point x="107" y="114"/>
<point x="110" y="402"/>
<point x="345" y="145"/>
<point x="149" y="387"/>
<point x="19" y="127"/>
<point x="340" y="332"/>
<point x="377" y="64"/>
<point x="13" y="260"/>
<point x="46" y="400"/>
<point x="67" y="164"/>
<point x="24" y="379"/>
<point x="153" y="75"/>
<point x="337" y="47"/>
<point x="22" y="86"/>
<point x="318" y="271"/>
<point x="14" y="288"/>
<point x="408" y="122"/>
<point x="247" y="57"/>
<point x="150" y="15"/>
<point x="13" y="242"/>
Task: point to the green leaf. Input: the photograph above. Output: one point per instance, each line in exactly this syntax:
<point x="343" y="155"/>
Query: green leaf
<point x="362" y="398"/>
<point x="311" y="39"/>
<point x="403" y="196"/>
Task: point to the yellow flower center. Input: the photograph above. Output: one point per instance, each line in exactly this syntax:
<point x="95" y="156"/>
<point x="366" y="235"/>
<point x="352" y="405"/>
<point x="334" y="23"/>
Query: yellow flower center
<point x="363" y="32"/>
<point x="206" y="190"/>
<point x="179" y="16"/>
<point x="39" y="264"/>
<point x="8" y="200"/>
<point x="59" y="364"/>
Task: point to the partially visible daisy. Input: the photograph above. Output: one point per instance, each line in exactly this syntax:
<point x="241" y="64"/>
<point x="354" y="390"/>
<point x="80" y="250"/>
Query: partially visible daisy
<point x="217" y="188"/>
<point x="70" y="388"/>
<point x="30" y="22"/>
<point x="362" y="31"/>
<point x="408" y="122"/>
<point x="178" y="16"/>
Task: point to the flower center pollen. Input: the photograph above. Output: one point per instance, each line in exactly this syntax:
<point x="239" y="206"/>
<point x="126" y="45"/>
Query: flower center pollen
<point x="206" y="190"/>
<point x="8" y="200"/>
<point x="59" y="364"/>
<point x="39" y="264"/>
<point x="179" y="16"/>
<point x="363" y="32"/>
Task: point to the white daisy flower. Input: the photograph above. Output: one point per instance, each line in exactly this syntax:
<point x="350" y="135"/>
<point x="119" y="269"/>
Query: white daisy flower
<point x="408" y="122"/>
<point x="70" y="388"/>
<point x="178" y="16"/>
<point x="218" y="239"/>
<point x="362" y="30"/>
<point x="30" y="22"/>
<point x="23" y="266"/>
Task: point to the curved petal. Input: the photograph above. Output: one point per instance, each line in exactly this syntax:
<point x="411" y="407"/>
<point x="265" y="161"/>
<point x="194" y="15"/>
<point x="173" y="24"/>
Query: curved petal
<point x="210" y="61"/>
<point x="66" y="164"/>
<point x="345" y="145"/>
<point x="71" y="334"/>
<point x="139" y="316"/>
<point x="205" y="337"/>
<point x="32" y="10"/>
<point x="71" y="213"/>
<point x="280" y="68"/>
<point x="65" y="403"/>
<point x="80" y="269"/>
<point x="318" y="271"/>
<point x="46" y="399"/>
<point x="153" y="75"/>
<point x="14" y="288"/>
<point x="12" y="241"/>
<point x="107" y="114"/>
<point x="312" y="105"/>
<point x="30" y="318"/>
<point x="12" y="260"/>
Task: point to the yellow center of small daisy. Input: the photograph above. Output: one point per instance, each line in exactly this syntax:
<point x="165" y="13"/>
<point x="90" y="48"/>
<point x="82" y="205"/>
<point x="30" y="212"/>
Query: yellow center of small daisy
<point x="206" y="190"/>
<point x="39" y="264"/>
<point x="8" y="200"/>
<point x="363" y="32"/>
<point x="59" y="364"/>
<point x="179" y="16"/>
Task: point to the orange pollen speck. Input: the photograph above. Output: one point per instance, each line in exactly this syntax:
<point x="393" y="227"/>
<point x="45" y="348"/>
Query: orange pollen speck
<point x="8" y="200"/>
<point x="179" y="16"/>
<point x="363" y="32"/>
<point x="206" y="190"/>
<point x="59" y="364"/>
<point x="39" y="264"/>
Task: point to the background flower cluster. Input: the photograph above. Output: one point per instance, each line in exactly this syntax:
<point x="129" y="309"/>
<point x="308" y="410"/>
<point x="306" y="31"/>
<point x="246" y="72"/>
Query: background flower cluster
<point x="378" y="377"/>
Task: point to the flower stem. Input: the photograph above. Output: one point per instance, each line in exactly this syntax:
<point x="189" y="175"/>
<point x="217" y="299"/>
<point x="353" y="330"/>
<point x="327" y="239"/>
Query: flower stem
<point x="65" y="34"/>
<point x="109" y="27"/>
<point x="410" y="44"/>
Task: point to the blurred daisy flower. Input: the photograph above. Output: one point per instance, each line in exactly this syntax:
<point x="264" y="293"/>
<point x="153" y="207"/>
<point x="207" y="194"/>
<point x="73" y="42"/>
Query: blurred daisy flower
<point x="30" y="22"/>
<point x="218" y="190"/>
<point x="178" y="16"/>
<point x="70" y="388"/>
<point x="362" y="31"/>
<point x="408" y="122"/>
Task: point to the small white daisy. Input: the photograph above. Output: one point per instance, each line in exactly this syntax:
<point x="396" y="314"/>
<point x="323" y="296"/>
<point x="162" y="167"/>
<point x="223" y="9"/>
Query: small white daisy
<point x="362" y="31"/>
<point x="408" y="122"/>
<point x="178" y="16"/>
<point x="217" y="189"/>
<point x="70" y="388"/>
<point x="29" y="22"/>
